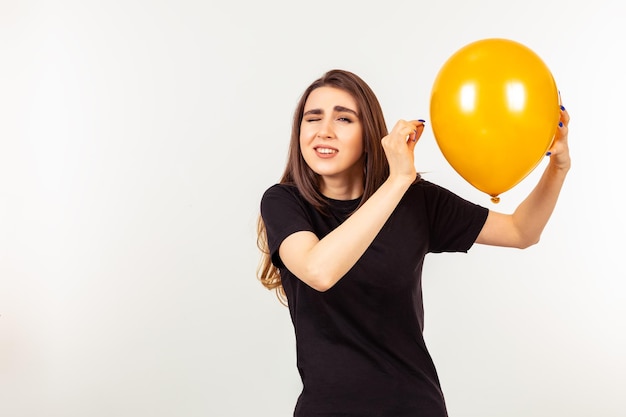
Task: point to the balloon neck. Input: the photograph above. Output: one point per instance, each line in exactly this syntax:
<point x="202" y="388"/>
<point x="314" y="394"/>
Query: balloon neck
<point x="495" y="199"/>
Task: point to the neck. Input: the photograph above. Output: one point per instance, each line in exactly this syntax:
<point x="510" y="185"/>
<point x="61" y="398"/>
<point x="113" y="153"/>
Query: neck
<point x="340" y="189"/>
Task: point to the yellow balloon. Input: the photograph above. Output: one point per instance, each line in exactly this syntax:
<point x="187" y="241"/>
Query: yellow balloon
<point x="494" y="110"/>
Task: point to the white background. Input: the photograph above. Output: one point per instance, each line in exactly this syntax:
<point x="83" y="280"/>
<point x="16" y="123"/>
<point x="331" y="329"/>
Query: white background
<point x="136" y="139"/>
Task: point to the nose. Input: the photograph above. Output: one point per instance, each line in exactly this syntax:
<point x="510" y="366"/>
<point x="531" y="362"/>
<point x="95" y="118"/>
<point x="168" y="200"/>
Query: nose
<point x="325" y="130"/>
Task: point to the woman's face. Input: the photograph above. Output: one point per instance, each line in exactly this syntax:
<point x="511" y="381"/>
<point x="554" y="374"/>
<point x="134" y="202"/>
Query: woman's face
<point x="331" y="135"/>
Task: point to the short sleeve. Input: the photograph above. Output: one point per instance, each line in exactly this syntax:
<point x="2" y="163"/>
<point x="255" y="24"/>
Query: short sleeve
<point x="284" y="212"/>
<point x="453" y="221"/>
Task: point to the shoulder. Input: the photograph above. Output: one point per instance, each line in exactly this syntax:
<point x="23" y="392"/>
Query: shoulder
<point x="281" y="198"/>
<point x="281" y="192"/>
<point x="281" y="189"/>
<point x="427" y="190"/>
<point x="423" y="185"/>
<point x="436" y="197"/>
<point x="284" y="211"/>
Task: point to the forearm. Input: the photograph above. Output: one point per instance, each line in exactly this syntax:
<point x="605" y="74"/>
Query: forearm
<point x="532" y="215"/>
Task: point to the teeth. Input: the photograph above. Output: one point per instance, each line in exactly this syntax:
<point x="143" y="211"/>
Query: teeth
<point x="326" y="150"/>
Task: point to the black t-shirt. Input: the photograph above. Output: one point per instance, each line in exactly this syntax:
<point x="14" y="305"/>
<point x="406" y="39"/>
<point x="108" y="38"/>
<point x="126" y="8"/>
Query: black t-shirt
<point x="360" y="348"/>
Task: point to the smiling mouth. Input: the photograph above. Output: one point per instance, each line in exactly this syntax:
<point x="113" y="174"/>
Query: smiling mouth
<point x="326" y="151"/>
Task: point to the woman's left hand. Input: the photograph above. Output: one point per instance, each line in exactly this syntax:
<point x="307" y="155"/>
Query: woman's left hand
<point x="559" y="151"/>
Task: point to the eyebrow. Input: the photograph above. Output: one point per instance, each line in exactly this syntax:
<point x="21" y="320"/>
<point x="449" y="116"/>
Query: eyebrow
<point x="338" y="109"/>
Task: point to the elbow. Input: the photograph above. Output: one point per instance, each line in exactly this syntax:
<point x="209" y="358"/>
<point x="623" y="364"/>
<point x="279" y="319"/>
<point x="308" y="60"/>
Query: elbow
<point x="528" y="242"/>
<point x="319" y="279"/>
<point x="321" y="285"/>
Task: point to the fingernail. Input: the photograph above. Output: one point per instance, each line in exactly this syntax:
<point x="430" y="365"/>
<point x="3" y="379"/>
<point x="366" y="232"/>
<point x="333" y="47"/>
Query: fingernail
<point x="421" y="120"/>
<point x="562" y="108"/>
<point x="548" y="153"/>
<point x="560" y="124"/>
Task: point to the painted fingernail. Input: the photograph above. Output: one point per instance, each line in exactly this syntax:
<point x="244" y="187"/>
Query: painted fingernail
<point x="562" y="108"/>
<point x="560" y="124"/>
<point x="548" y="153"/>
<point x="421" y="120"/>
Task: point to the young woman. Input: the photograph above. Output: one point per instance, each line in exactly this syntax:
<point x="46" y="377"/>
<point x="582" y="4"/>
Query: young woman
<point x="344" y="235"/>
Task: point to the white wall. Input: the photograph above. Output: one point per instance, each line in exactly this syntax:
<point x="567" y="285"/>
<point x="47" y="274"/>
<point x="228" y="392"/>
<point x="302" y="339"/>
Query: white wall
<point x="136" y="138"/>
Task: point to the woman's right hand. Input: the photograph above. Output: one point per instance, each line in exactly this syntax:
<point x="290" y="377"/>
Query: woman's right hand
<point x="399" y="146"/>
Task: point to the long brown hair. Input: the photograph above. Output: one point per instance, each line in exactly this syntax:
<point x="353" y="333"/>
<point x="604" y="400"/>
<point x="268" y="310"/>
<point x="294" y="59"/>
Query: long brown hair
<point x="298" y="173"/>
